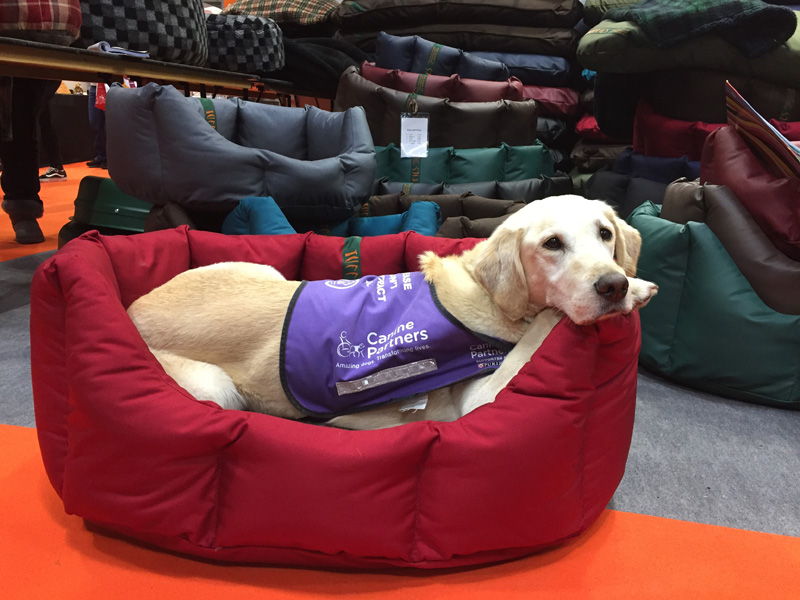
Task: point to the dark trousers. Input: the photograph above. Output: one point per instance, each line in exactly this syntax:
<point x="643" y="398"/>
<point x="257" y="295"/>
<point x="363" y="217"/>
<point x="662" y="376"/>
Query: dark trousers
<point x="20" y="153"/>
<point x="49" y="146"/>
<point x="97" y="121"/>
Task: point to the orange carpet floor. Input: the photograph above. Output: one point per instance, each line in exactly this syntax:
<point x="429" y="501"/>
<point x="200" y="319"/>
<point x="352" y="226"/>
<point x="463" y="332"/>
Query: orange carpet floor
<point x="58" y="198"/>
<point x="47" y="554"/>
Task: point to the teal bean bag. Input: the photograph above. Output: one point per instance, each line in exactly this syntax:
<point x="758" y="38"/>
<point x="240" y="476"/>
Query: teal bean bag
<point x="707" y="328"/>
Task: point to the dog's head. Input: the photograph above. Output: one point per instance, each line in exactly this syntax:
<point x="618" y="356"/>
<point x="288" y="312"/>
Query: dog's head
<point x="564" y="252"/>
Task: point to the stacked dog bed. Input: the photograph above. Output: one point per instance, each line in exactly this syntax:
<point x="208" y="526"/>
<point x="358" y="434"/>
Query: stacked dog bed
<point x="462" y="215"/>
<point x="529" y="471"/>
<point x="662" y="66"/>
<point x="166" y="148"/>
<point x="544" y="27"/>
<point x="635" y="178"/>
<point x="418" y="65"/>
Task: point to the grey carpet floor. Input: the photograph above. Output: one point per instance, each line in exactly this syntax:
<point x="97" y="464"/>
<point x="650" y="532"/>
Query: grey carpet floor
<point x="694" y="456"/>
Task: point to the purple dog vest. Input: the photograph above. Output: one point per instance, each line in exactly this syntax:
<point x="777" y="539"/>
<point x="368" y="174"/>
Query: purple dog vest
<point x="349" y="345"/>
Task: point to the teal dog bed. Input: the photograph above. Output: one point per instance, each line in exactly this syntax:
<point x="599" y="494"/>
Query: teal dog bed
<point x="262" y="216"/>
<point x="708" y="328"/>
<point x="452" y="165"/>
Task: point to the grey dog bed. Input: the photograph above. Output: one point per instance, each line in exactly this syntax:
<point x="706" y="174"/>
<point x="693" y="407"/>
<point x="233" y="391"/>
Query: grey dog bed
<point x="163" y="147"/>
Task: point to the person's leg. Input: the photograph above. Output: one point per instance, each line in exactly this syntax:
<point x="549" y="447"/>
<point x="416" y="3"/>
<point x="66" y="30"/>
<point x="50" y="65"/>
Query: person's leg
<point x="20" y="157"/>
<point x="49" y="145"/>
<point x="97" y="121"/>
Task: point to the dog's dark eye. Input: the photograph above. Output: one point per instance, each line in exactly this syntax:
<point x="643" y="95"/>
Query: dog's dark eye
<point x="553" y="243"/>
<point x="605" y="234"/>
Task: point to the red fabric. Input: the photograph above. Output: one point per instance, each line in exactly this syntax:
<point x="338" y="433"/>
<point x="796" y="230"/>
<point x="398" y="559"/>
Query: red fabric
<point x="788" y="129"/>
<point x="129" y="450"/>
<point x="553" y="101"/>
<point x="770" y="198"/>
<point x="657" y="135"/>
<point x="588" y="129"/>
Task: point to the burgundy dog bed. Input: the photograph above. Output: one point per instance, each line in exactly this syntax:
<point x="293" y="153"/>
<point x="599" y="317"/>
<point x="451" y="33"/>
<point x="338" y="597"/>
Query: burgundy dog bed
<point x="131" y="452"/>
<point x="552" y="101"/>
<point x="770" y="198"/>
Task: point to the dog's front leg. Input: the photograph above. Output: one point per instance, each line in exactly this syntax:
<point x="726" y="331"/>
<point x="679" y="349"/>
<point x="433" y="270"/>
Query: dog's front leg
<point x="640" y="293"/>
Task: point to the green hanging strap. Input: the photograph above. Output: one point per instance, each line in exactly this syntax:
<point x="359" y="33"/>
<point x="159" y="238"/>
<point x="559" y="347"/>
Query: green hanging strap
<point x="208" y="111"/>
<point x="351" y="258"/>
<point x="432" y="58"/>
<point x="419" y="86"/>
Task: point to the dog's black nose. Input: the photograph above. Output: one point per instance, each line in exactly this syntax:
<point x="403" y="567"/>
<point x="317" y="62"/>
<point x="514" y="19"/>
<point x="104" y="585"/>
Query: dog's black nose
<point x="612" y="286"/>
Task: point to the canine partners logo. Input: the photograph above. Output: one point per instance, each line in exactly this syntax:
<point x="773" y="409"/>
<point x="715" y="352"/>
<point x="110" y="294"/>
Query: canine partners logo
<point x="341" y="284"/>
<point x="346" y="349"/>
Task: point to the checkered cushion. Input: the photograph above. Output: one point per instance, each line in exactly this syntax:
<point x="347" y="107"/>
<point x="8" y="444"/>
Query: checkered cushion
<point x="172" y="30"/>
<point x="245" y="44"/>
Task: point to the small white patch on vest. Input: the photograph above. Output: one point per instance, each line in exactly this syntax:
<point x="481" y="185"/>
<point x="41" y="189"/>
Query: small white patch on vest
<point x="418" y="402"/>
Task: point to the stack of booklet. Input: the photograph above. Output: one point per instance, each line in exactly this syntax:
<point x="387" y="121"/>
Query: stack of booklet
<point x="108" y="48"/>
<point x="766" y="141"/>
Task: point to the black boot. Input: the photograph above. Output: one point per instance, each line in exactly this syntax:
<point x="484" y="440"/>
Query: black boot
<point x="28" y="232"/>
<point x="23" y="214"/>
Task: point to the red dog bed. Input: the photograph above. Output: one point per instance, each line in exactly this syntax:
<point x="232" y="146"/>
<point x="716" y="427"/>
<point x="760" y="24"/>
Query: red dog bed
<point x="129" y="451"/>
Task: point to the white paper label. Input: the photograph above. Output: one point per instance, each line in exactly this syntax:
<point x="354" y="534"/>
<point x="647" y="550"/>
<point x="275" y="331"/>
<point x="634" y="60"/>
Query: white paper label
<point x="413" y="135"/>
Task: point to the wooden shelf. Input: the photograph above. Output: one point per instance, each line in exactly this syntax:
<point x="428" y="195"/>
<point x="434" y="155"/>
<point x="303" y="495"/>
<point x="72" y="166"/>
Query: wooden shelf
<point x="22" y="58"/>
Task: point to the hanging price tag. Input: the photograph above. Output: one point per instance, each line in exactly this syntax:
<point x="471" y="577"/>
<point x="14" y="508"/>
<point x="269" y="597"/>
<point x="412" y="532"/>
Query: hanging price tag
<point x="414" y="135"/>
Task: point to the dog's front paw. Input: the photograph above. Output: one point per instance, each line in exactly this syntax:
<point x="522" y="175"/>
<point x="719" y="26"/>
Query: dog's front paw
<point x="639" y="293"/>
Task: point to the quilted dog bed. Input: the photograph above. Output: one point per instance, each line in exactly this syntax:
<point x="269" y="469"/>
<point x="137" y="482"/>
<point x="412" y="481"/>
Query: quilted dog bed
<point x="457" y="124"/>
<point x="481" y="37"/>
<point x="129" y="451"/>
<point x="622" y="47"/>
<point x="463" y="215"/>
<point x="526" y="190"/>
<point x="417" y="54"/>
<point x="552" y="101"/>
<point x="465" y="165"/>
<point x="164" y="147"/>
<point x="261" y="216"/>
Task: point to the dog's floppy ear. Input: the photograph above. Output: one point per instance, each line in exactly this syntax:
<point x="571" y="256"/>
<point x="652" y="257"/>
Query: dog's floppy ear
<point x="627" y="247"/>
<point x="498" y="269"/>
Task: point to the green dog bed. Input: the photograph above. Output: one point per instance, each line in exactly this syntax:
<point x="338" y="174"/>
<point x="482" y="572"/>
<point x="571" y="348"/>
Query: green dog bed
<point x="452" y="165"/>
<point x="707" y="328"/>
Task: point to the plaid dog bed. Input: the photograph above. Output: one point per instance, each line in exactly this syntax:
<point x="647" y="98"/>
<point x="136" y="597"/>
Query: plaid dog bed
<point x="286" y="12"/>
<point x="54" y="22"/>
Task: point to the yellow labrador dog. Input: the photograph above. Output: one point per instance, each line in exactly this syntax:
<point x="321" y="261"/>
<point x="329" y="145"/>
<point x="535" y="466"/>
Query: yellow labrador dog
<point x="217" y="330"/>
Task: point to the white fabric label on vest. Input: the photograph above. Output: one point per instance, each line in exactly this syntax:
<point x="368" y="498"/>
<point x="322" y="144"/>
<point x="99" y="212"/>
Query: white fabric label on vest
<point x="418" y="402"/>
